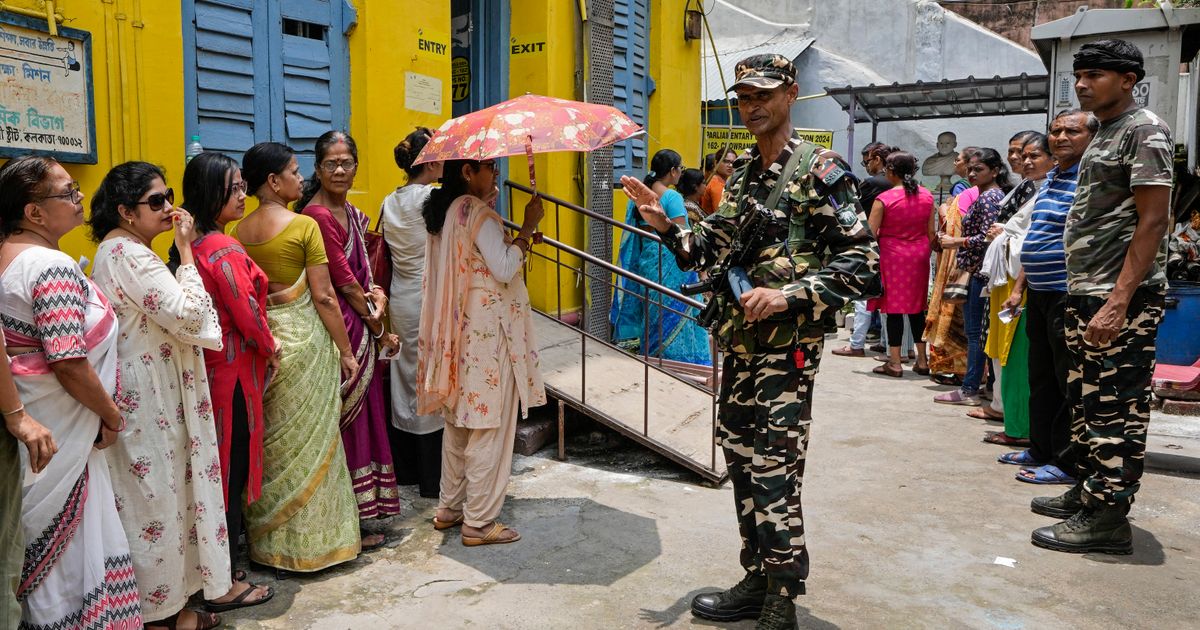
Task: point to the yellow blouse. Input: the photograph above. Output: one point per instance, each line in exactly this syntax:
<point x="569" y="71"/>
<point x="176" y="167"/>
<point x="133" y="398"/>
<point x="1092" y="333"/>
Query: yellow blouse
<point x="284" y="256"/>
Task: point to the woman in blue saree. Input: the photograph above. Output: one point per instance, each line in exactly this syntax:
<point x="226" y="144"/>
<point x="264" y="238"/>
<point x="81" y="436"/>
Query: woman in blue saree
<point x="661" y="331"/>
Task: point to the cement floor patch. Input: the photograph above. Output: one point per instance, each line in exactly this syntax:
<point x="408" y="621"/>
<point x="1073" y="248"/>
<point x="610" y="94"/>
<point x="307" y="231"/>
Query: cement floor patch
<point x="906" y="512"/>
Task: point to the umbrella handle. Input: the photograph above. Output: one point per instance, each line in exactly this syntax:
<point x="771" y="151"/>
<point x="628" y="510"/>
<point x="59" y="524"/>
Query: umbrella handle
<point x="529" y="157"/>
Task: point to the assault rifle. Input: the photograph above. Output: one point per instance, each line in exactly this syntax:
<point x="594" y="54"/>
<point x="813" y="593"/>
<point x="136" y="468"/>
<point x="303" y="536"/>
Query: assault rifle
<point x="729" y="274"/>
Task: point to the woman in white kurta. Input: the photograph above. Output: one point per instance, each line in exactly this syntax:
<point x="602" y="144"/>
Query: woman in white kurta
<point x="416" y="438"/>
<point x="165" y="470"/>
<point x="479" y="365"/>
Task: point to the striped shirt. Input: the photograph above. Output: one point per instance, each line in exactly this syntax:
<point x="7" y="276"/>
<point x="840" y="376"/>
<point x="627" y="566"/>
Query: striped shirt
<point x="1042" y="256"/>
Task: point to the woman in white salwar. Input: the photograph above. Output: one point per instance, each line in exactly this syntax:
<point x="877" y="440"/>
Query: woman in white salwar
<point x="478" y="363"/>
<point x="166" y="470"/>
<point x="61" y="335"/>
<point x="416" y="438"/>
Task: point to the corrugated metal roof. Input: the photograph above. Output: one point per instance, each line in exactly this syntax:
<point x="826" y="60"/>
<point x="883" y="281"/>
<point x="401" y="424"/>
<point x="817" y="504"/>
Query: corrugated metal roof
<point x="713" y="91"/>
<point x="959" y="98"/>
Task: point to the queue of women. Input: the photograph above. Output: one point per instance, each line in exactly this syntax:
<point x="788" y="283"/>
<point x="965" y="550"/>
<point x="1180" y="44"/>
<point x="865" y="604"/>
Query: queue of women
<point x="167" y="407"/>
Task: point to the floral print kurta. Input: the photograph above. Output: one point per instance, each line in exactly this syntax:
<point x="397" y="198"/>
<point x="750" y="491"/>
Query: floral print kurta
<point x="165" y="469"/>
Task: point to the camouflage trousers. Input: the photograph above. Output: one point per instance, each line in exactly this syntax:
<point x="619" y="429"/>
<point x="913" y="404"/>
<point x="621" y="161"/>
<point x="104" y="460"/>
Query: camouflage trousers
<point x="765" y="414"/>
<point x="1109" y="390"/>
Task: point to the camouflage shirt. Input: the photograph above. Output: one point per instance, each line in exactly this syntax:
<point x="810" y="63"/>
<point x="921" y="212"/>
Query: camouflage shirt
<point x="818" y="249"/>
<point x="1133" y="149"/>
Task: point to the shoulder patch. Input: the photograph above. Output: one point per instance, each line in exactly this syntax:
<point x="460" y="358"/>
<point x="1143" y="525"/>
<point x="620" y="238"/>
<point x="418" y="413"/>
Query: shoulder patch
<point x="828" y="171"/>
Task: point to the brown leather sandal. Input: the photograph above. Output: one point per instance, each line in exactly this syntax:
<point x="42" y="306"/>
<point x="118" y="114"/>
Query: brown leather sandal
<point x="887" y="369"/>
<point x="204" y="621"/>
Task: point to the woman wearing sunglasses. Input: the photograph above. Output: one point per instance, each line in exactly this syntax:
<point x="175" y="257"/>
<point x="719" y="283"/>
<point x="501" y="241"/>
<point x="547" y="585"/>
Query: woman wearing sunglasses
<point x="165" y="470"/>
<point x="306" y="518"/>
<point x="363" y="305"/>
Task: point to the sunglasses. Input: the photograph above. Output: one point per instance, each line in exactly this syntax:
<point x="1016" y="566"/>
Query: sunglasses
<point x="158" y="201"/>
<point x="73" y="194"/>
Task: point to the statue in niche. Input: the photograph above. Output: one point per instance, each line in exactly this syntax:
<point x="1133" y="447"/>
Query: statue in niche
<point x="940" y="165"/>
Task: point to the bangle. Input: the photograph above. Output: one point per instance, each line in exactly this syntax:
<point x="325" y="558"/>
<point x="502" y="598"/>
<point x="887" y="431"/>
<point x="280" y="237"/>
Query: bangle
<point x="14" y="411"/>
<point x="522" y="238"/>
<point x="374" y="336"/>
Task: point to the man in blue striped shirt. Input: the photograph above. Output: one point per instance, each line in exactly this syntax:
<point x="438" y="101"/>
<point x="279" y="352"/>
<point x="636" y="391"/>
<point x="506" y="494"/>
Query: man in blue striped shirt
<point x="1043" y="281"/>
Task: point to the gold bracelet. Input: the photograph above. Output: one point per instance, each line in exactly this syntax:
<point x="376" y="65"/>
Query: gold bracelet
<point x="17" y="410"/>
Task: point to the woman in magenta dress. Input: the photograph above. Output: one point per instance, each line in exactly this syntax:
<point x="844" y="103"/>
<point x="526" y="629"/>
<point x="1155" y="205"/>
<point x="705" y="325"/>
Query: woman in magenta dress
<point x="364" y="409"/>
<point x="903" y="219"/>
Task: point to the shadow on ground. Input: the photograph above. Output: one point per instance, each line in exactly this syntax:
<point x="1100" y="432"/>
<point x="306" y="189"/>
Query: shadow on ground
<point x="572" y="540"/>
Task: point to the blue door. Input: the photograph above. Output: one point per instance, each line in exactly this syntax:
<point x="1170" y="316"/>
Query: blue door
<point x="632" y="85"/>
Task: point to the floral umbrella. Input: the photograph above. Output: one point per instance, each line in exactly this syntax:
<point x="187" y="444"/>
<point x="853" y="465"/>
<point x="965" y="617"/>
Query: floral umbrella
<point x="528" y="124"/>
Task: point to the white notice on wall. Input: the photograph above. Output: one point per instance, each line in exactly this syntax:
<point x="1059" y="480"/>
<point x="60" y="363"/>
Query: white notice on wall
<point x="422" y="93"/>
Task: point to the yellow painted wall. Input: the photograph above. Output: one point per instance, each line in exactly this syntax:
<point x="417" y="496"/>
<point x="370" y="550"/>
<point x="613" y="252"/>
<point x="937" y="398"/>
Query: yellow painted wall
<point x="382" y="48"/>
<point x="549" y="71"/>
<point x="137" y="61"/>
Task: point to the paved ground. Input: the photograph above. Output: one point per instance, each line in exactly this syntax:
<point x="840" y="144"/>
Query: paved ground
<point x="907" y="512"/>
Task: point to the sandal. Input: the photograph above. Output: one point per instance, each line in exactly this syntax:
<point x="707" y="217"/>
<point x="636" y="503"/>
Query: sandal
<point x="240" y="600"/>
<point x="1019" y="458"/>
<point x="1004" y="439"/>
<point x="204" y="621"/>
<point x="381" y="540"/>
<point x="492" y="537"/>
<point x="849" y="351"/>
<point x="440" y="525"/>
<point x="923" y="371"/>
<point x="1045" y="475"/>
<point x="985" y="412"/>
<point x="887" y="369"/>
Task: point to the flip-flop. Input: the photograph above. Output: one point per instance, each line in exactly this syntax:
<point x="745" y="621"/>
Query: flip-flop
<point x="1018" y="458"/>
<point x="981" y="413"/>
<point x="946" y="379"/>
<point x="492" y="537"/>
<point x="240" y="600"/>
<point x="1004" y="439"/>
<point x="440" y="525"/>
<point x="1048" y="474"/>
<point x="204" y="621"/>
<point x="888" y="369"/>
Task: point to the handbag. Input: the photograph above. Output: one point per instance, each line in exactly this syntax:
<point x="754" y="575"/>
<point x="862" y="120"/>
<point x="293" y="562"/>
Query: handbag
<point x="955" y="291"/>
<point x="379" y="257"/>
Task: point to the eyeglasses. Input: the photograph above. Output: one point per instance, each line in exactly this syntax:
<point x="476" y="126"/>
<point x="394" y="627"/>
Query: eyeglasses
<point x="73" y="194"/>
<point x="158" y="201"/>
<point x="237" y="187"/>
<point x="331" y="166"/>
<point x="488" y="164"/>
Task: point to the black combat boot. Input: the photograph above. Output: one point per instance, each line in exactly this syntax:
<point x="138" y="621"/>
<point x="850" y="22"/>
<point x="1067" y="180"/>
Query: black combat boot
<point x="778" y="613"/>
<point x="1063" y="506"/>
<point x="1093" y="528"/>
<point x="743" y="601"/>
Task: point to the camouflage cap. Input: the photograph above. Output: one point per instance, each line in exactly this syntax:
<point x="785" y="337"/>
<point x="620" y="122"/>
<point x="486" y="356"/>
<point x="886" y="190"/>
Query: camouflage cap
<point x="764" y="71"/>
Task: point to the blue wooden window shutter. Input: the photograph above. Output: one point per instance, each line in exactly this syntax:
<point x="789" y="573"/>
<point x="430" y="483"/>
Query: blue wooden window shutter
<point x="265" y="70"/>
<point x="631" y="80"/>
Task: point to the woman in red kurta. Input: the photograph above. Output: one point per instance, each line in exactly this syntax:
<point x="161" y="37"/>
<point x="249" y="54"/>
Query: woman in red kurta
<point x="237" y="375"/>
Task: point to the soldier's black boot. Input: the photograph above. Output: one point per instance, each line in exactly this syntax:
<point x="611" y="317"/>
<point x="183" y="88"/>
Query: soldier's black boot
<point x="1103" y="528"/>
<point x="778" y="613"/>
<point x="743" y="601"/>
<point x="1063" y="506"/>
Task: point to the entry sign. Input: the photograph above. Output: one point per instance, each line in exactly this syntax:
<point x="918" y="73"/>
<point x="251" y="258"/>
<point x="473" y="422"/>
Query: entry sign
<point x="739" y="138"/>
<point x="46" y="104"/>
<point x="433" y="45"/>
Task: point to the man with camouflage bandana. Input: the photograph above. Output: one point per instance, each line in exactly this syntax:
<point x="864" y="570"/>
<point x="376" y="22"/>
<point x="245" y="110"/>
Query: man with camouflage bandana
<point x="1116" y="252"/>
<point x="815" y="254"/>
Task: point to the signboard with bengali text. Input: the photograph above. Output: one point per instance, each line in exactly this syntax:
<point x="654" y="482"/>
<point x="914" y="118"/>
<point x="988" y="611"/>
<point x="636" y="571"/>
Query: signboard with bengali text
<point x="46" y="100"/>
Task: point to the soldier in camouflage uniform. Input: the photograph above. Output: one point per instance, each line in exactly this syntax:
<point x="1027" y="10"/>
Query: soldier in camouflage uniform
<point x="1116" y="249"/>
<point x="814" y="254"/>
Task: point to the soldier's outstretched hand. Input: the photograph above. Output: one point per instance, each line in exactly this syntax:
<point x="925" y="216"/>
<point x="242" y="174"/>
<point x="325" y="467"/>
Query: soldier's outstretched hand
<point x="647" y="203"/>
<point x="761" y="302"/>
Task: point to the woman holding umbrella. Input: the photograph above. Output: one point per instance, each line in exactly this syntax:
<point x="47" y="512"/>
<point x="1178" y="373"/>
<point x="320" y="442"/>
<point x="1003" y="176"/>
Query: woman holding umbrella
<point x="478" y="360"/>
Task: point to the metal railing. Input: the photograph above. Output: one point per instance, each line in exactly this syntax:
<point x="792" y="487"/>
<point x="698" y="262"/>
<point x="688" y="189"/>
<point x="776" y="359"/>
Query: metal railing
<point x="553" y="253"/>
